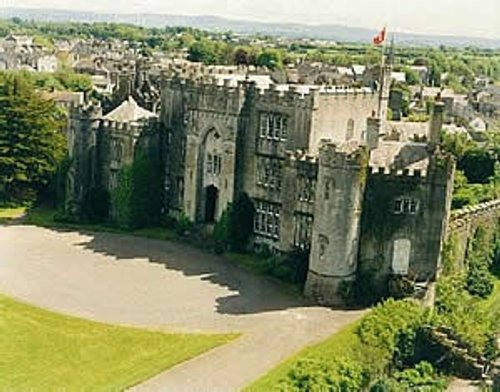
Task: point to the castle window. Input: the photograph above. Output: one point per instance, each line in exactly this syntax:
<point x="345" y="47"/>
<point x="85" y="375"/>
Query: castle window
<point x="214" y="164"/>
<point x="273" y="126"/>
<point x="328" y="188"/>
<point x="350" y="129"/>
<point x="267" y="219"/>
<point x="406" y="206"/>
<point x="306" y="187"/>
<point x="113" y="179"/>
<point x="209" y="163"/>
<point x="269" y="172"/>
<point x="303" y="230"/>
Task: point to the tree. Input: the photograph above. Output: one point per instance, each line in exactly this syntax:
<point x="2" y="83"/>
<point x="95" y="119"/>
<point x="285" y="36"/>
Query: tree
<point x="31" y="141"/>
<point x="270" y="58"/>
<point x="412" y="76"/>
<point x="203" y="51"/>
<point x="241" y="56"/>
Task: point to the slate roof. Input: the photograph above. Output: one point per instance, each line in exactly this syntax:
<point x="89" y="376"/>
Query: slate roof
<point x="129" y="111"/>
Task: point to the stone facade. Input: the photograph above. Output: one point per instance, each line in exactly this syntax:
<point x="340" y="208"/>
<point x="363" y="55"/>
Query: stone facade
<point x="311" y="162"/>
<point x="100" y="145"/>
<point x="311" y="159"/>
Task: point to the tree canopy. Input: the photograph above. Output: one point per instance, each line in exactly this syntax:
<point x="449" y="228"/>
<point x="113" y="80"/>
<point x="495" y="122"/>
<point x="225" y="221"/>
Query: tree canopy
<point x="31" y="141"/>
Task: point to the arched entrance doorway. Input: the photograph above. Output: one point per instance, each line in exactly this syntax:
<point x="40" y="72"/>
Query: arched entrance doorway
<point x="211" y="198"/>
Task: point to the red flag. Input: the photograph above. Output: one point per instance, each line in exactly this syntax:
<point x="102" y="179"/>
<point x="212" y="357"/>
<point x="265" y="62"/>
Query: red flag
<point x="379" y="38"/>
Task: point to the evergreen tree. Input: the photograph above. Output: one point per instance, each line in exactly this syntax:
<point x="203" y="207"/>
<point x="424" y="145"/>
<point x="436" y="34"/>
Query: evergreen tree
<point x="31" y="141"/>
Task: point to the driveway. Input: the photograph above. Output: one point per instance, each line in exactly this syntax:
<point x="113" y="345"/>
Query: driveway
<point x="149" y="283"/>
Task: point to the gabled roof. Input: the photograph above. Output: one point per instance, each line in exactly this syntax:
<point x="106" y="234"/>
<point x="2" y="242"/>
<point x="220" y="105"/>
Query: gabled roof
<point x="129" y="111"/>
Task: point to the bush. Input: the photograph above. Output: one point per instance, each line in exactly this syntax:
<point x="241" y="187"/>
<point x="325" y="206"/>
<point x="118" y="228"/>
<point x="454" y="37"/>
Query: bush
<point x="241" y="219"/>
<point x="183" y="225"/>
<point x="459" y="310"/>
<point x="382" y="326"/>
<point x="221" y="232"/>
<point x="422" y="377"/>
<point x="479" y="281"/>
<point x="319" y="375"/>
<point x="400" y="287"/>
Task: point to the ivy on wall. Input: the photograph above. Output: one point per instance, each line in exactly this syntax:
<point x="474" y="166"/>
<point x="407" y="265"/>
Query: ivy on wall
<point x="378" y="218"/>
<point x="137" y="200"/>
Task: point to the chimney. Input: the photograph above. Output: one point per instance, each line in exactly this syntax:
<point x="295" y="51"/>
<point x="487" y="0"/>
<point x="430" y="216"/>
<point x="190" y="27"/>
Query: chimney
<point x="436" y="123"/>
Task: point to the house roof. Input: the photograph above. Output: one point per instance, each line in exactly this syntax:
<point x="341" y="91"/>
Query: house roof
<point x="129" y="111"/>
<point x="400" y="156"/>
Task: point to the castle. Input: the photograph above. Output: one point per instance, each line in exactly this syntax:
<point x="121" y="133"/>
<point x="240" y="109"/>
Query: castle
<point x="315" y="162"/>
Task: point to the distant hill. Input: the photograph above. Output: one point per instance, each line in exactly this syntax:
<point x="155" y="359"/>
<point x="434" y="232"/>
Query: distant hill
<point x="213" y="23"/>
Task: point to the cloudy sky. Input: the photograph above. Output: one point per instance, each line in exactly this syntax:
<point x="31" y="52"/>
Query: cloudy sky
<point x="457" y="17"/>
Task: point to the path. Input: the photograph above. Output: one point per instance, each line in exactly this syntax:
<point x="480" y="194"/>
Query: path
<point x="124" y="279"/>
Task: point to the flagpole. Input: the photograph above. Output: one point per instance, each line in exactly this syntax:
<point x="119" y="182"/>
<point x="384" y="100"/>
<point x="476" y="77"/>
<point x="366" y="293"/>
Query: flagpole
<point x="382" y="76"/>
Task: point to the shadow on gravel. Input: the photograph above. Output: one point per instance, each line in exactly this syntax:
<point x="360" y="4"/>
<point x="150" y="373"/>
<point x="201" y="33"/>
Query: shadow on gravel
<point x="255" y="294"/>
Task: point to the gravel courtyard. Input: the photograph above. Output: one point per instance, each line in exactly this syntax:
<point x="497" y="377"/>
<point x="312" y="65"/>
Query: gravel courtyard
<point x="128" y="280"/>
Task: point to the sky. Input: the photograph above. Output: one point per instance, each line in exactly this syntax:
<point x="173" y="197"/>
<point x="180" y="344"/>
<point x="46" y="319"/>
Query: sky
<point x="479" y="18"/>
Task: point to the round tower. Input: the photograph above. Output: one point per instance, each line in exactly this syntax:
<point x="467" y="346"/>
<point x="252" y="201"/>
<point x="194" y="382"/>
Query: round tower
<point x="337" y="215"/>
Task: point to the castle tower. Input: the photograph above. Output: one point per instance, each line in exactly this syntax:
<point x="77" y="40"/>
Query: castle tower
<point x="83" y="131"/>
<point x="335" y="236"/>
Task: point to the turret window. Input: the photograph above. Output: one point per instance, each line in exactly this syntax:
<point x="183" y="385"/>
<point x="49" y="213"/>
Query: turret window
<point x="405" y="206"/>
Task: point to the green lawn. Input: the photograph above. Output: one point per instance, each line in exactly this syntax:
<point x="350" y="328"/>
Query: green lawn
<point x="45" y="351"/>
<point x="7" y="214"/>
<point x="342" y="345"/>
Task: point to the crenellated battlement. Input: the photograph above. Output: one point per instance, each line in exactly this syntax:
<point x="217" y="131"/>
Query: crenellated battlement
<point x="89" y="110"/>
<point x="301" y="156"/>
<point x="348" y="155"/>
<point x="392" y="172"/>
<point x="123" y="127"/>
<point x="266" y="94"/>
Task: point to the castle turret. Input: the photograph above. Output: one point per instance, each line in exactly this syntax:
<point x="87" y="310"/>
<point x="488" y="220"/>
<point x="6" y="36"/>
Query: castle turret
<point x="335" y="236"/>
<point x="82" y="139"/>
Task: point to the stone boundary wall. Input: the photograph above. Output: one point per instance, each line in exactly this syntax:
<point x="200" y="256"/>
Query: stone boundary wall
<point x="463" y="224"/>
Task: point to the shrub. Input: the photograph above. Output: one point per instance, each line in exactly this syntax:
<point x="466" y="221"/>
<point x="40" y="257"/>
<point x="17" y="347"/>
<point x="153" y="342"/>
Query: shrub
<point x="183" y="225"/>
<point x="222" y="232"/>
<point x="319" y="375"/>
<point x="400" y="287"/>
<point x="381" y="327"/>
<point x="422" y="377"/>
<point x="479" y="282"/>
<point x="241" y="223"/>
<point x="459" y="310"/>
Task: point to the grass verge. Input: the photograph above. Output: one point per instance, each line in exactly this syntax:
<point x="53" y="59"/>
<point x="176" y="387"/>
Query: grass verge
<point x="43" y="350"/>
<point x="343" y="345"/>
<point x="7" y="214"/>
